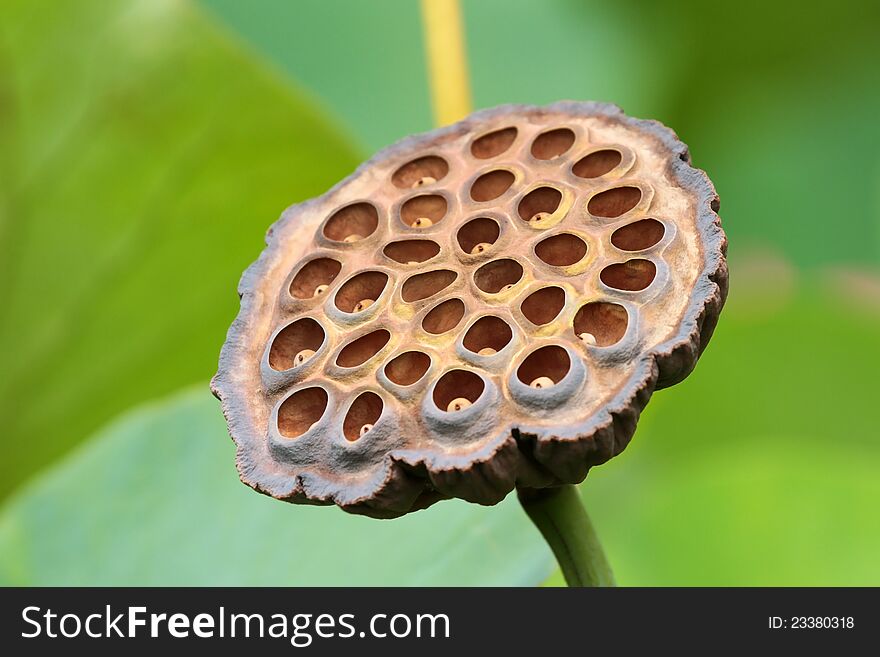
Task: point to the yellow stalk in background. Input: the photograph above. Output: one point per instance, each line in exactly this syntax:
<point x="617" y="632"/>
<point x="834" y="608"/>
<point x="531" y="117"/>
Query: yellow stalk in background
<point x="447" y="62"/>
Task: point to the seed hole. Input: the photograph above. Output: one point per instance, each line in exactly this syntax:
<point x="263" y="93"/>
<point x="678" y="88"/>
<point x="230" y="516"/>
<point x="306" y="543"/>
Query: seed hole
<point x="498" y="274"/>
<point x="313" y="278"/>
<point x="300" y="411"/>
<point x="540" y="200"/>
<point x="444" y="317"/>
<point x="632" y="275"/>
<point x="491" y="185"/>
<point x="422" y="286"/>
<point x="493" y="143"/>
<point x="489" y="332"/>
<point x="426" y="206"/>
<point x="561" y="250"/>
<point x="551" y="362"/>
<point x="458" y="385"/>
<point x="363" y="349"/>
<point x="476" y="232"/>
<point x="600" y="323"/>
<point x="352" y="223"/>
<point x="422" y="171"/>
<point x="408" y="367"/>
<point x="407" y="251"/>
<point x="542" y="306"/>
<point x="597" y="163"/>
<point x="552" y="143"/>
<point x="638" y="236"/>
<point x="614" y="202"/>
<point x="296" y="338"/>
<point x="366" y="286"/>
<point x="362" y="415"/>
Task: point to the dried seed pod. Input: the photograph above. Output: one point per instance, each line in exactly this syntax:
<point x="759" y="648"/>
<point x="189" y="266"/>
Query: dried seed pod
<point x="400" y="407"/>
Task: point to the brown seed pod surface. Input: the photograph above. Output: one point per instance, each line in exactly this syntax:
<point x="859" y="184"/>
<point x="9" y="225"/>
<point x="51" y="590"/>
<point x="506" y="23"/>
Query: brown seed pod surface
<point x="485" y="306"/>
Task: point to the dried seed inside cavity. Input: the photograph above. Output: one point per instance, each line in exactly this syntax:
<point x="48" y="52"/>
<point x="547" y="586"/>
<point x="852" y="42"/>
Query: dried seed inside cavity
<point x="542" y="382"/>
<point x="587" y="338"/>
<point x="363" y="304"/>
<point x="424" y="180"/>
<point x="320" y="290"/>
<point x="458" y="404"/>
<point x="487" y="351"/>
<point x="354" y="237"/>
<point x="480" y="248"/>
<point x="366" y="428"/>
<point x="302" y="356"/>
<point x="422" y="222"/>
<point x="539" y="218"/>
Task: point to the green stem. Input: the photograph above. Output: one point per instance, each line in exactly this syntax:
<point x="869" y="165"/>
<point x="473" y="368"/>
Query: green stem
<point x="560" y="516"/>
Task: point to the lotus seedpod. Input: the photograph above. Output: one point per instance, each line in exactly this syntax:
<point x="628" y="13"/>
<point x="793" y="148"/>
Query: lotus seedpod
<point x="482" y="307"/>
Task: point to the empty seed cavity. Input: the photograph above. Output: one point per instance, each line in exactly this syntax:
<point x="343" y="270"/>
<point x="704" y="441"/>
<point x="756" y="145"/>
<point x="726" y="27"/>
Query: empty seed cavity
<point x="423" y="171"/>
<point x="295" y="344"/>
<point x="493" y="144"/>
<point x="546" y="366"/>
<point x="364" y="412"/>
<point x="407" y="368"/>
<point x="561" y="250"/>
<point x="444" y="317"/>
<point x="638" y="236"/>
<point x="411" y="251"/>
<point x="422" y="286"/>
<point x="457" y="390"/>
<point x="498" y="275"/>
<point x="487" y="336"/>
<point x="600" y="323"/>
<point x="314" y="277"/>
<point x="359" y="351"/>
<point x="424" y="211"/>
<point x="299" y="412"/>
<point x="478" y="235"/>
<point x="491" y="185"/>
<point x="552" y="143"/>
<point x="631" y="276"/>
<point x="539" y="204"/>
<point x="597" y="163"/>
<point x="544" y="305"/>
<point x="352" y="223"/>
<point x="614" y="202"/>
<point x="361" y="291"/>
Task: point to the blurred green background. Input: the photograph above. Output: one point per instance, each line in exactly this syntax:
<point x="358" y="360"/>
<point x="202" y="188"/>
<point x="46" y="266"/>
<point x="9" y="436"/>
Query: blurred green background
<point x="146" y="145"/>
